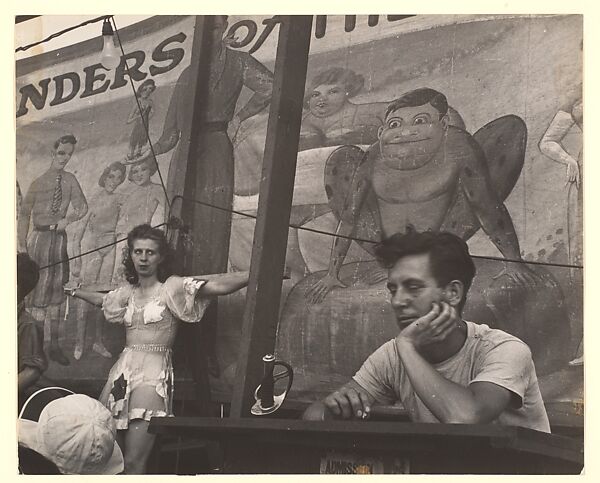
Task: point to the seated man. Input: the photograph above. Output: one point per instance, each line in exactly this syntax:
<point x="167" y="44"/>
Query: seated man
<point x="440" y="367"/>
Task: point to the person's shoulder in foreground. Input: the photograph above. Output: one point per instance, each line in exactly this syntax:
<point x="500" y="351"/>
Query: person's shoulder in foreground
<point x="439" y="366"/>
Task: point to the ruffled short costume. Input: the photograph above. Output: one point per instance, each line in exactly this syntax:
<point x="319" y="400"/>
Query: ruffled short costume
<point x="140" y="383"/>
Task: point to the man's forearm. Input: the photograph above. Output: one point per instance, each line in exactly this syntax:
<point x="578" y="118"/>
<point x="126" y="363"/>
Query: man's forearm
<point x="448" y="401"/>
<point x="317" y="411"/>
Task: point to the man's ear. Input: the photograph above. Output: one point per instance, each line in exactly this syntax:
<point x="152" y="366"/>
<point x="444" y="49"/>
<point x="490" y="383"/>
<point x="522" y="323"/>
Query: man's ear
<point x="379" y="132"/>
<point x="454" y="292"/>
<point x="445" y="121"/>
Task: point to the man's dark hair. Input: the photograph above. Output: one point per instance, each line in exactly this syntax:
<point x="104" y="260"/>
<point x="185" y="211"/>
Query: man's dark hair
<point x="146" y="232"/>
<point x="449" y="257"/>
<point x="66" y="139"/>
<point x="420" y="97"/>
<point x="27" y="275"/>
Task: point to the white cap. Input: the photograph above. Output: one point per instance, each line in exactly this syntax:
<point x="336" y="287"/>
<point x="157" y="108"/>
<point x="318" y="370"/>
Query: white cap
<point x="77" y="433"/>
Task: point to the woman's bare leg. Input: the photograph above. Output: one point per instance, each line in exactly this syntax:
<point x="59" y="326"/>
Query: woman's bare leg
<point x="138" y="441"/>
<point x="138" y="446"/>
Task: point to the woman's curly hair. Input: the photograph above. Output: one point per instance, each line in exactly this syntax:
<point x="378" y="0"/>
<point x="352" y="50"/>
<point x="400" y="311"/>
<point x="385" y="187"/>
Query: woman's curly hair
<point x="146" y="232"/>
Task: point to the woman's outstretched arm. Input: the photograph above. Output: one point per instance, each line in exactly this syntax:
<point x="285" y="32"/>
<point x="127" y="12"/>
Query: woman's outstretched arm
<point x="223" y="283"/>
<point x="94" y="298"/>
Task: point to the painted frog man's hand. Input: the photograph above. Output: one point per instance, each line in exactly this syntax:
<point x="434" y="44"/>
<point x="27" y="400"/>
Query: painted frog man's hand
<point x="319" y="290"/>
<point x="525" y="277"/>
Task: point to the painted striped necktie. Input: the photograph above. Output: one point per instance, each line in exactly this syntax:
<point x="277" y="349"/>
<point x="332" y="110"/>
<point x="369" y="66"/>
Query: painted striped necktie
<point x="57" y="196"/>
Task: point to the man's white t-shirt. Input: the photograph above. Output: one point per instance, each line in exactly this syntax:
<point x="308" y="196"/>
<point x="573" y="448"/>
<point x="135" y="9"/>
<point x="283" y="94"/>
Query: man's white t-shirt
<point x="488" y="355"/>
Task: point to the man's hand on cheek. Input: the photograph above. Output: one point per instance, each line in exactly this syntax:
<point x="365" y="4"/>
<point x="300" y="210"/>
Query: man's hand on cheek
<point x="431" y="328"/>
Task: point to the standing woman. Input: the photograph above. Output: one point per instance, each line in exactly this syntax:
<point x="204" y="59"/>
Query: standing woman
<point x="140" y="384"/>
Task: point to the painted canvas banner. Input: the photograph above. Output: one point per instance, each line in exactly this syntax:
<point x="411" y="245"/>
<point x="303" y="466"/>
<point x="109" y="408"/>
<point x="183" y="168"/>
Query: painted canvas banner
<point x="513" y="90"/>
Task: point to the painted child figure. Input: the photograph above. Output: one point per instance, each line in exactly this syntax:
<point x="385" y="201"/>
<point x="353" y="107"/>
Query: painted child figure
<point x="100" y="224"/>
<point x="144" y="198"/>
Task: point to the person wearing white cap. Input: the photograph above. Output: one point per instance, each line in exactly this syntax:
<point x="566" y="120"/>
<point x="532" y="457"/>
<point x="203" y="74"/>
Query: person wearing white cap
<point x="77" y="434"/>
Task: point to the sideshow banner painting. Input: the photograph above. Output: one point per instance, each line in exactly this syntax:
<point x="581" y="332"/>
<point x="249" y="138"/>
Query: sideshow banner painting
<point x="80" y="139"/>
<point x="508" y="93"/>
